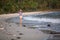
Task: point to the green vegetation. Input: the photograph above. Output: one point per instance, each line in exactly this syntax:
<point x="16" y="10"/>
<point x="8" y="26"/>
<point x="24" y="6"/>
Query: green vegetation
<point x="8" y="6"/>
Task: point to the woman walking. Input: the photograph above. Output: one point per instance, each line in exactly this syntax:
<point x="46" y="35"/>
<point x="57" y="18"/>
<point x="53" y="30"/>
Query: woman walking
<point x="20" y="15"/>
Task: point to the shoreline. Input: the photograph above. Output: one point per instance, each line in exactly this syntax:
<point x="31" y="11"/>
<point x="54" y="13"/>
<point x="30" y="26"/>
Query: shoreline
<point x="26" y="13"/>
<point x="32" y="12"/>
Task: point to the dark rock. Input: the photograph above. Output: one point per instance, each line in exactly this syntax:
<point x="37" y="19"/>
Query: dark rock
<point x="20" y="33"/>
<point x="48" y="25"/>
<point x="18" y="37"/>
<point x="24" y="25"/>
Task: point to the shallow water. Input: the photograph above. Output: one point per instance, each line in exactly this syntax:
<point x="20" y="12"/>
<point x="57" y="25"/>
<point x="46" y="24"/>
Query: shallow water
<point x="52" y="17"/>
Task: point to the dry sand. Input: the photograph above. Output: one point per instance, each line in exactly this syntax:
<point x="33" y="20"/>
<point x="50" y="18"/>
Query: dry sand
<point x="11" y="31"/>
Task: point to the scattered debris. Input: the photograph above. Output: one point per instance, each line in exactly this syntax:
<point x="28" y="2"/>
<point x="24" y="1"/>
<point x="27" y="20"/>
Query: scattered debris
<point x="18" y="37"/>
<point x="20" y="33"/>
<point x="24" y="25"/>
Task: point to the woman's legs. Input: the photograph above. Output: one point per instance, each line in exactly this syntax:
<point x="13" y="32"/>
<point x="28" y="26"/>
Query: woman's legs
<point x="20" y="20"/>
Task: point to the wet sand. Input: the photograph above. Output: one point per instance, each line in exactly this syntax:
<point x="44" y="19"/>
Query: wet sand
<point x="12" y="31"/>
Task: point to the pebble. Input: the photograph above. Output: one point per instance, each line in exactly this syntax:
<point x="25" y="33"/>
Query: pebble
<point x="12" y="39"/>
<point x="20" y="33"/>
<point x="24" y="25"/>
<point x="18" y="37"/>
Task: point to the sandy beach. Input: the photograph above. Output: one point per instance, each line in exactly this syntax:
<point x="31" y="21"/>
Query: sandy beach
<point x="13" y="31"/>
